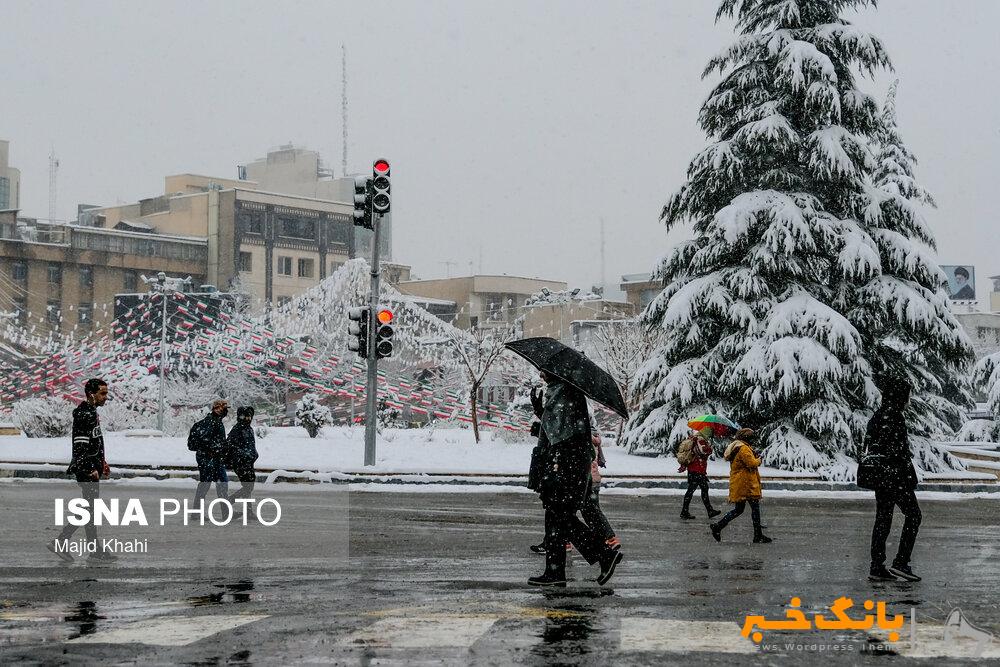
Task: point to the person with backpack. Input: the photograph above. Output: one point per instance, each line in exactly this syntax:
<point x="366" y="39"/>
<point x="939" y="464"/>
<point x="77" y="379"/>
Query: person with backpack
<point x="207" y="439"/>
<point x="692" y="455"/>
<point x="744" y="485"/>
<point x="886" y="467"/>
<point x="242" y="451"/>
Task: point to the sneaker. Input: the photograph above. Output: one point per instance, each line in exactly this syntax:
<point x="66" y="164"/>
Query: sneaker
<point x="63" y="556"/>
<point x="879" y="573"/>
<point x="102" y="557"/>
<point x="903" y="572"/>
<point x="608" y="565"/>
<point x="713" y="513"/>
<point x="687" y="515"/>
<point x="762" y="539"/>
<point x="613" y="543"/>
<point x="716" y="532"/>
<point x="548" y="579"/>
<point x="538" y="548"/>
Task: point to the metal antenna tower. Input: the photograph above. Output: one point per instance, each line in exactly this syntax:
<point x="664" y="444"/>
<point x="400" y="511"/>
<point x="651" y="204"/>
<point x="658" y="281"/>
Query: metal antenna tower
<point x="53" y="183"/>
<point x="343" y="106"/>
<point x="603" y="275"/>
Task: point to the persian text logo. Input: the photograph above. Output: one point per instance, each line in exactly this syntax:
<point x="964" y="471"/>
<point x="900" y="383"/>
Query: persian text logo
<point x="795" y="619"/>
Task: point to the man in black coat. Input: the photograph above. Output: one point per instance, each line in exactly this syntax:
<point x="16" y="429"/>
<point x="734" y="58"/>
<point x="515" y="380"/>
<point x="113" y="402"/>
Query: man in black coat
<point x="242" y="450"/>
<point x="207" y="439"/>
<point x="87" y="465"/>
<point x="895" y="481"/>
<point x="565" y="485"/>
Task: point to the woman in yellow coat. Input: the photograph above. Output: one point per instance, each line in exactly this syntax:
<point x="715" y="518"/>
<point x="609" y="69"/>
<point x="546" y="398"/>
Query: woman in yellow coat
<point x="744" y="485"/>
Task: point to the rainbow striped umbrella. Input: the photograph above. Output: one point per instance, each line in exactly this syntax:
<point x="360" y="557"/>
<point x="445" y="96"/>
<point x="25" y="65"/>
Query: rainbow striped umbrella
<point x="720" y="425"/>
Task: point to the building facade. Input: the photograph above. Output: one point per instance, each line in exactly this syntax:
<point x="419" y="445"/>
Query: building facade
<point x="63" y="278"/>
<point x="640" y="289"/>
<point x="480" y="301"/>
<point x="10" y="180"/>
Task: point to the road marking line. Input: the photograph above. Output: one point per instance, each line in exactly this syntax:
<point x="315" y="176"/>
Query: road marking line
<point x="674" y="636"/>
<point x="931" y="643"/>
<point x="451" y="631"/>
<point x="168" y="630"/>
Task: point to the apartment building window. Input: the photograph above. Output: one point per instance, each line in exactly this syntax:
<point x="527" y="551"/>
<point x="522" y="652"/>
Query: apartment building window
<point x="297" y="228"/>
<point x="246" y="262"/>
<point x="21" y="308"/>
<point x="4" y="192"/>
<point x="252" y="222"/>
<point x="284" y="266"/>
<point x="131" y="282"/>
<point x="52" y="312"/>
<point x="86" y="276"/>
<point x="19" y="272"/>
<point x="334" y="267"/>
<point x="55" y="274"/>
<point x="85" y="313"/>
<point x="284" y="301"/>
<point x="305" y="268"/>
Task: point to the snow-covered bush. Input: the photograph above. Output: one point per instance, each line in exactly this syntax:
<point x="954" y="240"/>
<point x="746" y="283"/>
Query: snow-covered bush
<point x="44" y="417"/>
<point x="987" y="377"/>
<point x="120" y="415"/>
<point x="980" y="430"/>
<point x="312" y="415"/>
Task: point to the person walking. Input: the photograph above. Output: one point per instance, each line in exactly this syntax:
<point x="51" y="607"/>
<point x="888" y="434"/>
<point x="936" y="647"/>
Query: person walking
<point x="744" y="485"/>
<point x="693" y="456"/>
<point x="242" y="451"/>
<point x="566" y="483"/>
<point x="207" y="439"/>
<point x="539" y="454"/>
<point x="88" y="465"/>
<point x="888" y="469"/>
<point x="591" y="511"/>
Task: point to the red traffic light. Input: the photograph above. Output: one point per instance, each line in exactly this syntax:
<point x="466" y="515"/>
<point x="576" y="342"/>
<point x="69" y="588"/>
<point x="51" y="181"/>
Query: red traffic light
<point x="381" y="166"/>
<point x="384" y="316"/>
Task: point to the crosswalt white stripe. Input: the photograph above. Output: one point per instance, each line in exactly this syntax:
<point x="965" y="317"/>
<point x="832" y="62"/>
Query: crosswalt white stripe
<point x="168" y="630"/>
<point x="444" y="631"/>
<point x="674" y="636"/>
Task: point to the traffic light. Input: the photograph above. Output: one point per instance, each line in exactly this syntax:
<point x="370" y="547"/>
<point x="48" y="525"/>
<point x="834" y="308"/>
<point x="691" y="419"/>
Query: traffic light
<point x="384" y="333"/>
<point x="358" y="328"/>
<point x="363" y="201"/>
<point x="380" y="186"/>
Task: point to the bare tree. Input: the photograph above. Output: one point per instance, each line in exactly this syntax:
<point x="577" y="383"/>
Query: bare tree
<point x="623" y="346"/>
<point x="477" y="353"/>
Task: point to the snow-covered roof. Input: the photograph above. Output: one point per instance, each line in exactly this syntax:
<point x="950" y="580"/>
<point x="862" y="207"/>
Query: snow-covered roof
<point x="637" y="278"/>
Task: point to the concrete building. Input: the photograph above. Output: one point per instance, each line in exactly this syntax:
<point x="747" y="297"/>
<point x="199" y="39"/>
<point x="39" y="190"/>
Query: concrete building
<point x="63" y="278"/>
<point x="573" y="322"/>
<point x="298" y="171"/>
<point x="640" y="289"/>
<point x="274" y="245"/>
<point x="10" y="180"/>
<point x="481" y="301"/>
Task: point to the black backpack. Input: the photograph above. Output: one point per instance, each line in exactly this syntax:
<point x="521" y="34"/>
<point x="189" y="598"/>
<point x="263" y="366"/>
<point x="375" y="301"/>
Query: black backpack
<point x="196" y="436"/>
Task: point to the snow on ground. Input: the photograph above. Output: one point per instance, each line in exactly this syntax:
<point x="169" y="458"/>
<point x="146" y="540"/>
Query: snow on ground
<point x="341" y="449"/>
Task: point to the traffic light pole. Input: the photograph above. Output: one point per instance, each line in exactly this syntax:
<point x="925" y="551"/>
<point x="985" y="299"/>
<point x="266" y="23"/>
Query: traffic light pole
<point x="371" y="394"/>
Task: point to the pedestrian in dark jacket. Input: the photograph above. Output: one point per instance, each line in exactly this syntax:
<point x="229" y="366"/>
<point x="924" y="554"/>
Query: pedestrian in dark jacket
<point x="87" y="466"/>
<point x="207" y="439"/>
<point x="566" y="484"/>
<point x="242" y="449"/>
<point x="539" y="454"/>
<point x="697" y="472"/>
<point x="887" y="440"/>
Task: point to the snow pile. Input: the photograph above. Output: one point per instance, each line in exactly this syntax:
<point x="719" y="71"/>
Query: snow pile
<point x="44" y="417"/>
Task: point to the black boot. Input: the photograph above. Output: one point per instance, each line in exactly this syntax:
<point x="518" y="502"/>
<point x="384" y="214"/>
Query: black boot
<point x="716" y="532"/>
<point x="550" y="578"/>
<point x="538" y="548"/>
<point x="609" y="561"/>
<point x="879" y="573"/>
<point x="761" y="538"/>
<point x="686" y="515"/>
<point x="712" y="512"/>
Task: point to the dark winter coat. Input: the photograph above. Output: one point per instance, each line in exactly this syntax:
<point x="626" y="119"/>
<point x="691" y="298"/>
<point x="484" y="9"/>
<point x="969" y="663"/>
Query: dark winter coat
<point x="208" y="437"/>
<point x="565" y="417"/>
<point x="242" y="446"/>
<point x="539" y="460"/>
<point x="566" y="480"/>
<point x="88" y="442"/>
<point x="888" y="444"/>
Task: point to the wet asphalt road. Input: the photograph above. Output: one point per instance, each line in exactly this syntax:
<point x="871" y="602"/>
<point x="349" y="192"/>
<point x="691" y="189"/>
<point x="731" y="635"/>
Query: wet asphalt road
<point x="434" y="578"/>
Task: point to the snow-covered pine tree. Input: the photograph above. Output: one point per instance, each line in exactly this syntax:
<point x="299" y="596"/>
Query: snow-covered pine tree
<point x="987" y="376"/>
<point x="312" y="414"/>
<point x="756" y="311"/>
<point x="903" y="313"/>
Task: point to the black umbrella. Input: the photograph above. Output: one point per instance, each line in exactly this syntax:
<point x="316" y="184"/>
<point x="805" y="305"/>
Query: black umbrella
<point x="551" y="356"/>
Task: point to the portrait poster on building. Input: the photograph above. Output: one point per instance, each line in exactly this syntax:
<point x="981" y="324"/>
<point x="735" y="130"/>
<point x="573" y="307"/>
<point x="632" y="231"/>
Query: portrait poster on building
<point x="961" y="282"/>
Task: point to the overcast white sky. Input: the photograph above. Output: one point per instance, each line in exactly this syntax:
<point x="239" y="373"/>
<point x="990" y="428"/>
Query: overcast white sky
<point x="513" y="128"/>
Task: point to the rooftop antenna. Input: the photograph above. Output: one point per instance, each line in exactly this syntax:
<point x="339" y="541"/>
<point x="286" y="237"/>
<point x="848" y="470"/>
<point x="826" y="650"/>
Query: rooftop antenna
<point x="343" y="105"/>
<point x="603" y="275"/>
<point x="53" y="180"/>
